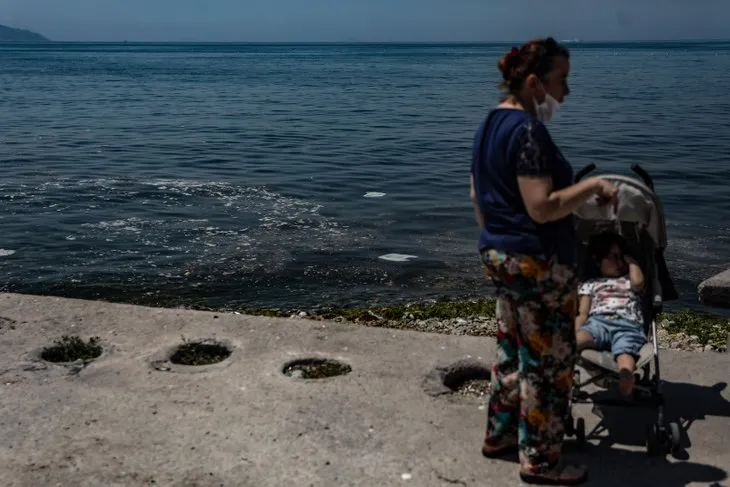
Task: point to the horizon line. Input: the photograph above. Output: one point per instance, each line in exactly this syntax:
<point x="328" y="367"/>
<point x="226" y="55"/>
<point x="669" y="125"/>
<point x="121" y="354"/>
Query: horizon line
<point x="562" y="41"/>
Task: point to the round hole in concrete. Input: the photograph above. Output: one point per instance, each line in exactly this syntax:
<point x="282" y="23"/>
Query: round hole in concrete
<point x="468" y="379"/>
<point x="465" y="377"/>
<point x="72" y="348"/>
<point x="315" y="368"/>
<point x="200" y="353"/>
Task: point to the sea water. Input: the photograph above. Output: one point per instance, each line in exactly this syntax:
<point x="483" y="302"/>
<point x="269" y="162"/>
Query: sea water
<point x="291" y="175"/>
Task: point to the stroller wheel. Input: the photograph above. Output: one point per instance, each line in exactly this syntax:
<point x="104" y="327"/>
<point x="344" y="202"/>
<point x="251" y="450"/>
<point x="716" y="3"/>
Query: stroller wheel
<point x="653" y="441"/>
<point x="569" y="426"/>
<point x="674" y="437"/>
<point x="580" y="431"/>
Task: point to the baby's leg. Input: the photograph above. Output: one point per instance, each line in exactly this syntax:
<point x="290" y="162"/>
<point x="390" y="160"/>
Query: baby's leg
<point x="584" y="340"/>
<point x="593" y="335"/>
<point x="626" y="366"/>
<point x="628" y="338"/>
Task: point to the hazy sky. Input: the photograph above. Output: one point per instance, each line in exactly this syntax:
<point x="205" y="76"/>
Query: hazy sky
<point x="368" y="20"/>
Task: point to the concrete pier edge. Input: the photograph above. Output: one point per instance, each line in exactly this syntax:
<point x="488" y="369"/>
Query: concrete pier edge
<point x="119" y="421"/>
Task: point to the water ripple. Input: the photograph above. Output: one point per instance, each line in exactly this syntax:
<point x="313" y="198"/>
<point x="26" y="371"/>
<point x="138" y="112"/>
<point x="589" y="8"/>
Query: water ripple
<point x="235" y="173"/>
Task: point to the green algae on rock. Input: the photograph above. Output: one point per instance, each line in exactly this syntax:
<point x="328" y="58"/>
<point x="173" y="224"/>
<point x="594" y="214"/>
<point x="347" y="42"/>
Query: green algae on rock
<point x="418" y="311"/>
<point x="707" y="328"/>
<point x="477" y="316"/>
<point x="454" y="309"/>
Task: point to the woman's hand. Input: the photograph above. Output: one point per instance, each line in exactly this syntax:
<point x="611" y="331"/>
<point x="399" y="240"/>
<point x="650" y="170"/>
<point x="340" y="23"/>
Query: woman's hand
<point x="607" y="193"/>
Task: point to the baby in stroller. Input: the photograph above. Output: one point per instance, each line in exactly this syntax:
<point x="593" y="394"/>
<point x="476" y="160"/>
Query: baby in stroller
<point x="610" y="315"/>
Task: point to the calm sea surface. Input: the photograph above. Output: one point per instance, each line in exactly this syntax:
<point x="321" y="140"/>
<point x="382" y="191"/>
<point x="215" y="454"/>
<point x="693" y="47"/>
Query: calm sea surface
<point x="226" y="175"/>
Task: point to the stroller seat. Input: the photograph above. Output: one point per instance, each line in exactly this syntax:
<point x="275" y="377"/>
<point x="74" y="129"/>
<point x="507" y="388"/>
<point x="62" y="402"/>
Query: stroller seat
<point x="605" y="360"/>
<point x="591" y="359"/>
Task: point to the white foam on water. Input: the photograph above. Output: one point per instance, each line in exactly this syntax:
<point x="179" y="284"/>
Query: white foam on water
<point x="240" y="228"/>
<point x="6" y="252"/>
<point x="397" y="257"/>
<point x="373" y="194"/>
<point x="132" y="224"/>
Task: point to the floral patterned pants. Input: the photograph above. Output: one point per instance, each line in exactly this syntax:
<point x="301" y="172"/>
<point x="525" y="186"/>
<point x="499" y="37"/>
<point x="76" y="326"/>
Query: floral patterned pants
<point x="536" y="354"/>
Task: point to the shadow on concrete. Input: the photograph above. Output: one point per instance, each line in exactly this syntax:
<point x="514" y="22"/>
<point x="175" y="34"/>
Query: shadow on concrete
<point x="611" y="467"/>
<point x="687" y="403"/>
<point x="684" y="404"/>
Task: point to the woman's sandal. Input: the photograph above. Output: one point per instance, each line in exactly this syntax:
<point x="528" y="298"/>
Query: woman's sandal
<point x="499" y="451"/>
<point x="562" y="475"/>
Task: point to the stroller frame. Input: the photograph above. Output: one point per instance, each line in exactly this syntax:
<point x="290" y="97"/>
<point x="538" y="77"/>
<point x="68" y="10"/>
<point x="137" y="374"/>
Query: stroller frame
<point x="648" y="239"/>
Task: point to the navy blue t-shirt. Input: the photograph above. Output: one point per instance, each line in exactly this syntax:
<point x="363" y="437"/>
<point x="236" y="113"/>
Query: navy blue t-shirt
<point x="511" y="143"/>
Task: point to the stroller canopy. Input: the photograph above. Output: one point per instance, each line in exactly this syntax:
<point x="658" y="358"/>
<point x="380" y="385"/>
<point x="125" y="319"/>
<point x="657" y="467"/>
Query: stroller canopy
<point x="636" y="204"/>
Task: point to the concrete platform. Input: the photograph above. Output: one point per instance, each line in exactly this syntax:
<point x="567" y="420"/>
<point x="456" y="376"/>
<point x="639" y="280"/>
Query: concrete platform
<point x="120" y="422"/>
<point x="715" y="291"/>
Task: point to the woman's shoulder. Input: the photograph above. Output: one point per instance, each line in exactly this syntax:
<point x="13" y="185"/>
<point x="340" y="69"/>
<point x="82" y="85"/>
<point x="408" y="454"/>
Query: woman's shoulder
<point x="517" y="125"/>
<point x="511" y="116"/>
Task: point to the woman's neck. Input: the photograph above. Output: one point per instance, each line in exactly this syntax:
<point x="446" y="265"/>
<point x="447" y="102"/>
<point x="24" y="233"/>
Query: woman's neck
<point x="513" y="103"/>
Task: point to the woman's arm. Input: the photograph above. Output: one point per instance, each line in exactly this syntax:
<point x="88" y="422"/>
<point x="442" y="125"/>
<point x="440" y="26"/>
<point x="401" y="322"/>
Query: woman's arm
<point x="545" y="205"/>
<point x="535" y="160"/>
<point x="583" y="310"/>
<point x="475" y="203"/>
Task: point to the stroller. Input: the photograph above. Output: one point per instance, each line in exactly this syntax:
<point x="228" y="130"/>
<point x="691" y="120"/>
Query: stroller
<point x="639" y="219"/>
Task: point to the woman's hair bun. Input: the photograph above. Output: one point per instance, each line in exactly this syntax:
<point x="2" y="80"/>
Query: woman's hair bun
<point x="534" y="57"/>
<point x="507" y="62"/>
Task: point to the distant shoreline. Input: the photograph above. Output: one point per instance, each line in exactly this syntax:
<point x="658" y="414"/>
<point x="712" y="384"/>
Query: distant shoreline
<point x="11" y="35"/>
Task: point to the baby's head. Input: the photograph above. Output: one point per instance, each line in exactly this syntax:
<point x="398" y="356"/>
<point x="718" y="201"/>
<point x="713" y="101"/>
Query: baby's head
<point x="608" y="253"/>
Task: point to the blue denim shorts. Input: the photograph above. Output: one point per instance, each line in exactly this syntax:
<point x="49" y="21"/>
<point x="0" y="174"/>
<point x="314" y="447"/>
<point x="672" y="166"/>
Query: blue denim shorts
<point x="616" y="334"/>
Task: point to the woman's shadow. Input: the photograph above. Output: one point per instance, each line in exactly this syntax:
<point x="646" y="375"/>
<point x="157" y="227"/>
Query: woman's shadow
<point x="685" y="404"/>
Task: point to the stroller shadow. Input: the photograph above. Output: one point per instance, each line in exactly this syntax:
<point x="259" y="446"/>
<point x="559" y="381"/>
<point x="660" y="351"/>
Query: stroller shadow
<point x="611" y="467"/>
<point x="684" y="404"/>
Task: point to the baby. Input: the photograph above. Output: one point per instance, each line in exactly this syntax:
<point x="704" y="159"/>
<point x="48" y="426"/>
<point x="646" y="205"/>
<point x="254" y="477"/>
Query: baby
<point x="610" y="315"/>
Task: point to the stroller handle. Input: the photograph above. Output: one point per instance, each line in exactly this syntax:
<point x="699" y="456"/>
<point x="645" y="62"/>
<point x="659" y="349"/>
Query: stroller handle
<point x="584" y="172"/>
<point x="640" y="171"/>
<point x="643" y="175"/>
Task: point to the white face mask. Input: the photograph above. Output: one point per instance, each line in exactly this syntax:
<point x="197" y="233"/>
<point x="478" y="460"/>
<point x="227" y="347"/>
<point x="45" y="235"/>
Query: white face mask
<point x="546" y="110"/>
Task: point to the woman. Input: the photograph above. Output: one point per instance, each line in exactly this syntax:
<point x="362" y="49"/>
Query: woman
<point x="523" y="194"/>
